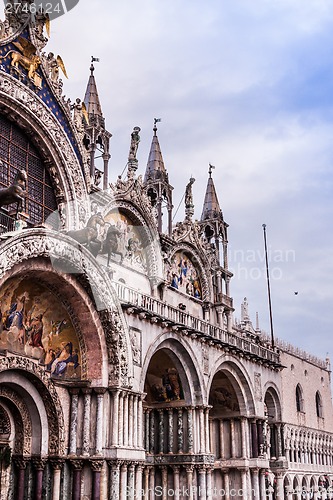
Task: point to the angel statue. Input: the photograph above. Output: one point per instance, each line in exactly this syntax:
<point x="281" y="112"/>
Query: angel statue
<point x="135" y="139"/>
<point x="53" y="66"/>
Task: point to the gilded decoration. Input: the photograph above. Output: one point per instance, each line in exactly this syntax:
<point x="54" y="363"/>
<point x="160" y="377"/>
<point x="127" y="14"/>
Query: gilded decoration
<point x="184" y="275"/>
<point x="33" y="322"/>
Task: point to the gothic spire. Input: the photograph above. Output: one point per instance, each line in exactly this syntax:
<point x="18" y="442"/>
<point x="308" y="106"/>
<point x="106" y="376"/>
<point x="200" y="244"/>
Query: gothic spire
<point x="97" y="138"/>
<point x="156" y="183"/>
<point x="155" y="166"/>
<point x="91" y="99"/>
<point x="211" y="208"/>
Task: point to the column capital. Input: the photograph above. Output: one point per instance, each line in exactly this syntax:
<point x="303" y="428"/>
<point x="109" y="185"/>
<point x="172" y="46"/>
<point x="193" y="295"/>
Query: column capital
<point x="57" y="463"/>
<point x="86" y="390"/>
<point x="176" y="468"/>
<point x="96" y="465"/>
<point x="74" y="391"/>
<point x="21" y="462"/>
<point x="76" y="464"/>
<point x="189" y="468"/>
<point x="39" y="463"/>
<point x="100" y="391"/>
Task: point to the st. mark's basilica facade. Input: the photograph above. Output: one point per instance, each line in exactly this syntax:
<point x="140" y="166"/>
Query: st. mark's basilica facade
<point x="123" y="373"/>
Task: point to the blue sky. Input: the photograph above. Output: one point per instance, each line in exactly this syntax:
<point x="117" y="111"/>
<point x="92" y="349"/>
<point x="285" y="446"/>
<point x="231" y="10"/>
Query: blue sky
<point x="248" y="87"/>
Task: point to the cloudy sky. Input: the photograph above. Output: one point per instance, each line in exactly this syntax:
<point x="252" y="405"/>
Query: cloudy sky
<point x="248" y="87"/>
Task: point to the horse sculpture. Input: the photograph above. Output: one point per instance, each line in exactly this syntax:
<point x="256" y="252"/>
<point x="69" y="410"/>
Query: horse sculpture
<point x="111" y="243"/>
<point x="88" y="236"/>
<point x="16" y="192"/>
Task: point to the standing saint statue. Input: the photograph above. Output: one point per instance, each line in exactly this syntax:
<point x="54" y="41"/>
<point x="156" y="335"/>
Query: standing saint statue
<point x="189" y="194"/>
<point x="135" y="139"/>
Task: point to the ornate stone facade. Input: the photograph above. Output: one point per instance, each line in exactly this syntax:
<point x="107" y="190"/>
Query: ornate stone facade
<point x="127" y="376"/>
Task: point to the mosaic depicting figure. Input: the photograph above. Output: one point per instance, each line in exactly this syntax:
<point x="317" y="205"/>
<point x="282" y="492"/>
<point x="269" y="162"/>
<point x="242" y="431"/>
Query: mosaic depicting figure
<point x="170" y="387"/>
<point x="184" y="276"/>
<point x="34" y="323"/>
<point x="123" y="242"/>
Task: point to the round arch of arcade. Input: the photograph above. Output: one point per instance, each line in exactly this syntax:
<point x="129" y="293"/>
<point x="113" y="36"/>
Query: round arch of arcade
<point x="73" y="275"/>
<point x="239" y="380"/>
<point x="25" y="109"/>
<point x="174" y="388"/>
<point x="182" y="358"/>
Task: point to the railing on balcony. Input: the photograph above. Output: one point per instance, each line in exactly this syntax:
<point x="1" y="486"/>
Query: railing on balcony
<point x="175" y="316"/>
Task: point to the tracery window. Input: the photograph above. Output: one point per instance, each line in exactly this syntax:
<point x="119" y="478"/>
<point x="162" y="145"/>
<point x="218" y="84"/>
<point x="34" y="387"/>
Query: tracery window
<point x="299" y="399"/>
<point x="319" y="406"/>
<point x="17" y="152"/>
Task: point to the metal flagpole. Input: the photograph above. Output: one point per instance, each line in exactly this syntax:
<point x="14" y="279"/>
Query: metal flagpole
<point x="268" y="288"/>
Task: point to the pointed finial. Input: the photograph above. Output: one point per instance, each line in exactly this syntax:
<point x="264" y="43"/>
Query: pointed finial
<point x="156" y="120"/>
<point x="210" y="171"/>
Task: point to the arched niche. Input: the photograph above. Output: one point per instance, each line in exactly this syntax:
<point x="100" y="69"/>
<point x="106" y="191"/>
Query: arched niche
<point x="35" y="323"/>
<point x="165" y="381"/>
<point x="186" y="274"/>
<point x="73" y="274"/>
<point x="273" y="405"/>
<point x="131" y="241"/>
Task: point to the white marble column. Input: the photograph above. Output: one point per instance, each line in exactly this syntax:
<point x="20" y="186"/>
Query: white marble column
<point x="131" y="422"/>
<point x="140" y="423"/>
<point x="152" y="483"/>
<point x="126" y="423"/>
<point x="244" y="437"/>
<point x="244" y="484"/>
<point x="86" y="422"/>
<point x="189" y="474"/>
<point x="131" y="483"/>
<point x="123" y="481"/>
<point x="232" y="438"/>
<point x="121" y="419"/>
<point x="170" y="430"/>
<point x="73" y="425"/>
<point x="114" y="480"/>
<point x="255" y="484"/>
<point x="226" y="484"/>
<point x="135" y="421"/>
<point x="209" y="484"/>
<point x="146" y="483"/>
<point x="176" y="482"/>
<point x="57" y="465"/>
<point x="99" y="420"/>
<point x="202" y="484"/>
<point x="262" y="484"/>
<point x="115" y="417"/>
<point x="164" y="471"/>
<point x="221" y="425"/>
<point x="202" y="430"/>
<point x="280" y="486"/>
<point x="138" y="482"/>
<point x="207" y="440"/>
